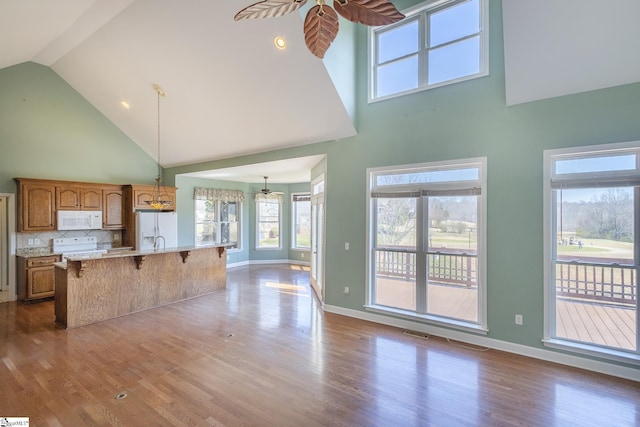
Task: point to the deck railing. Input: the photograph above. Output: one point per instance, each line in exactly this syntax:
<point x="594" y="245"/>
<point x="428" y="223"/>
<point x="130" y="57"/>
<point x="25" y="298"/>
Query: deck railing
<point x="596" y="281"/>
<point x="448" y="269"/>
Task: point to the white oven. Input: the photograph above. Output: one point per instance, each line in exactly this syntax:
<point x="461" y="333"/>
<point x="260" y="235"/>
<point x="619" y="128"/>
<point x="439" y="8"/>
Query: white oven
<point x="79" y="220"/>
<point x="78" y="247"/>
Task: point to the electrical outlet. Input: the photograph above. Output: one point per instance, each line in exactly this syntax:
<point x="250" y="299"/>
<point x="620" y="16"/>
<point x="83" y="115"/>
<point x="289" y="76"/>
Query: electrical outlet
<point x="116" y="237"/>
<point x="302" y="255"/>
<point x="30" y="242"/>
<point x="519" y="319"/>
<point x="36" y="241"/>
<point x="346" y="290"/>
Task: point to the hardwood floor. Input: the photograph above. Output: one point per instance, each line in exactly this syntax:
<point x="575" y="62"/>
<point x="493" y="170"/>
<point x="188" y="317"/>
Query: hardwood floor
<point x="262" y="353"/>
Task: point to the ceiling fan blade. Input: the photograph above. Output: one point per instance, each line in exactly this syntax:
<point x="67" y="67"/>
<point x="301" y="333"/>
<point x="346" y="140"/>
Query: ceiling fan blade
<point x="320" y="29"/>
<point x="269" y="9"/>
<point x="368" y="12"/>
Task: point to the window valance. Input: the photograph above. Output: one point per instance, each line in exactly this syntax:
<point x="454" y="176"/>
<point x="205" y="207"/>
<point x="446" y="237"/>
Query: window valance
<point x="270" y="196"/>
<point x="200" y="193"/>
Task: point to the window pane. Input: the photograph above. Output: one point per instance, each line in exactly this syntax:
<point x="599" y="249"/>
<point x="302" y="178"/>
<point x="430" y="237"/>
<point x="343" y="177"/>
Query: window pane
<point x="452" y="286"/>
<point x="268" y="224"/>
<point x="228" y="232"/>
<point x="454" y="61"/>
<point x="454" y="23"/>
<point x="228" y="211"/>
<point x="453" y="224"/>
<point x="450" y="175"/>
<point x="395" y="279"/>
<point x="596" y="164"/>
<point x="205" y="233"/>
<point x="596" y="302"/>
<point x="302" y="224"/>
<point x="397" y="76"/>
<point x="396" y="223"/>
<point x="398" y="42"/>
<point x="595" y="225"/>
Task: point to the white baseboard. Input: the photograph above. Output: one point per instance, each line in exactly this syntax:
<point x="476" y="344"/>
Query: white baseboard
<point x="267" y="261"/>
<point x="523" y="350"/>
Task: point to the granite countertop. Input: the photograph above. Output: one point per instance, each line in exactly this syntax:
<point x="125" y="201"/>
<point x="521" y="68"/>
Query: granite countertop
<point x="129" y="253"/>
<point x="46" y="251"/>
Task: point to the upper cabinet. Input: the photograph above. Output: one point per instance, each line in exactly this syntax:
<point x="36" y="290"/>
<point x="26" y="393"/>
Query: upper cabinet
<point x="36" y="205"/>
<point x="113" y="208"/>
<point x="70" y="197"/>
<point x="141" y="194"/>
<point x="38" y="201"/>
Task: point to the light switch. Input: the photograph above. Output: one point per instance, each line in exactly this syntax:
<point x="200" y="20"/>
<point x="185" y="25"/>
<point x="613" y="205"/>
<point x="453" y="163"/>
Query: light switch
<point x="346" y="246"/>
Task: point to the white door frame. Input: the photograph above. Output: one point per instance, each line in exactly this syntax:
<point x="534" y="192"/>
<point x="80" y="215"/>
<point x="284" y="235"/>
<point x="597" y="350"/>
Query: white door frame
<point x="8" y="252"/>
<point x="318" y="242"/>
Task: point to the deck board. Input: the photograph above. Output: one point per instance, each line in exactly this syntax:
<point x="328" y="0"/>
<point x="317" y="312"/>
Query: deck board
<point x="576" y="320"/>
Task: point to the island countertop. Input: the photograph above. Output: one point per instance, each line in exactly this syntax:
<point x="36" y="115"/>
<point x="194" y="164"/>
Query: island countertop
<point x="90" y="290"/>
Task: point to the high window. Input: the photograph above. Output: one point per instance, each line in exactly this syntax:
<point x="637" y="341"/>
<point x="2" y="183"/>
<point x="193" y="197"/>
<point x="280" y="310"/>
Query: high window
<point x="268" y="218"/>
<point x="426" y="242"/>
<point x="592" y="204"/>
<point x="438" y="43"/>
<point x="301" y="221"/>
<point x="218" y="217"/>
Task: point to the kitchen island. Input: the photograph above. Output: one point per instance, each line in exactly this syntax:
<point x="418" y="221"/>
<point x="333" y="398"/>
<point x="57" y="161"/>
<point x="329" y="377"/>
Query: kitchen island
<point x="90" y="290"/>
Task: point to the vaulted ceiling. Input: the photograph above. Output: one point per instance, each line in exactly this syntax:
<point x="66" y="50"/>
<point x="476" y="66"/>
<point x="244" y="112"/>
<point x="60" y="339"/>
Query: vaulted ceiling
<point x="230" y="92"/>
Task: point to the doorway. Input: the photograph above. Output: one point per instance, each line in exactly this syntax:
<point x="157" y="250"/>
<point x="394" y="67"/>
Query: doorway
<point x="7" y="248"/>
<point x="317" y="236"/>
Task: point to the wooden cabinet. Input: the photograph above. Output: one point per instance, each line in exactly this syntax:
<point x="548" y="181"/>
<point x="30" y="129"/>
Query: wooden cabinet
<point x="135" y="198"/>
<point x="113" y="208"/>
<point x="78" y="198"/>
<point x="36" y="205"/>
<point x="36" y="277"/>
<point x="143" y="193"/>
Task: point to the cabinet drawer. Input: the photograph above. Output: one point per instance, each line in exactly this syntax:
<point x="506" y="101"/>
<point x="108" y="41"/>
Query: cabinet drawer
<point x="42" y="261"/>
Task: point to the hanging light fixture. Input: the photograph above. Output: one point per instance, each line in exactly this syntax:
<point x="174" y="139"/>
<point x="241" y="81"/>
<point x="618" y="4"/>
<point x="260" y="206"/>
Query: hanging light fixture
<point x="160" y="198"/>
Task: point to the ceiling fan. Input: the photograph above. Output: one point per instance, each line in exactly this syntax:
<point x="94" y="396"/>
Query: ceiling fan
<point x="265" y="190"/>
<point x="321" y="22"/>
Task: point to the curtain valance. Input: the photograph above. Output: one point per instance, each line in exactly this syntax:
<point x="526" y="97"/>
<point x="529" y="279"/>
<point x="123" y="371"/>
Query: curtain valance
<point x="200" y="193"/>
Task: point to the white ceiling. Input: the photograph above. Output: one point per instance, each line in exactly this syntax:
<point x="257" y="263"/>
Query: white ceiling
<point x="229" y="91"/>
<point x="279" y="172"/>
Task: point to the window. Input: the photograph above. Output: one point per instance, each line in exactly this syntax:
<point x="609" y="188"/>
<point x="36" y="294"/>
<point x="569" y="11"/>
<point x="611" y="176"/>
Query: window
<point x="438" y="43"/>
<point x="218" y="217"/>
<point x="426" y="242"/>
<point x="592" y="200"/>
<point x="268" y="221"/>
<point x="301" y="221"/>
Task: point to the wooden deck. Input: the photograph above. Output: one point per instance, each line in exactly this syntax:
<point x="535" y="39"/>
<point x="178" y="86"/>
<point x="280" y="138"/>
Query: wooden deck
<point x="576" y="320"/>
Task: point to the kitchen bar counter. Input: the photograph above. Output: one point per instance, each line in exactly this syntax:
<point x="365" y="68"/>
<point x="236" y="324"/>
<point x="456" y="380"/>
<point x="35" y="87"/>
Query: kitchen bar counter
<point x="118" y="283"/>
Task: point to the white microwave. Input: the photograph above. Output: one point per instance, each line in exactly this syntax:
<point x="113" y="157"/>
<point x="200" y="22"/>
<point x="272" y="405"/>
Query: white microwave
<point x="79" y="220"/>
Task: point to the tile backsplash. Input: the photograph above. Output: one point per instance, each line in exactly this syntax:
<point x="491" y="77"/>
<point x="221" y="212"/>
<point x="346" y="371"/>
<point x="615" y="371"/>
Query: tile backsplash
<point x="43" y="242"/>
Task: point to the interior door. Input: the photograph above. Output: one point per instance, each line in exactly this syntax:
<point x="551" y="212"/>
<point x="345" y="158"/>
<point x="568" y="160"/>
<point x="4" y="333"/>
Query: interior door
<point x="317" y="240"/>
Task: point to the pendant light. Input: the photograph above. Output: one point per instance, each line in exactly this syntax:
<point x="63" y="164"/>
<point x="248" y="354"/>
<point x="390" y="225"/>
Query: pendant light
<point x="160" y="198"/>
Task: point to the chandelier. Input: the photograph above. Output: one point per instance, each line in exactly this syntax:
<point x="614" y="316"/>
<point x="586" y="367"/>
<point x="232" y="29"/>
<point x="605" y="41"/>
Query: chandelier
<point x="159" y="199"/>
<point x="321" y="23"/>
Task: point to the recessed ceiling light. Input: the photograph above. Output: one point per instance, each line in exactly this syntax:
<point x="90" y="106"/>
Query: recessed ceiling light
<point x="125" y="104"/>
<point x="280" y="42"/>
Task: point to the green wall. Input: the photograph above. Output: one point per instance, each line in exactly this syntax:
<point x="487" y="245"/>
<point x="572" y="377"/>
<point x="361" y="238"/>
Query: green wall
<point x="248" y="252"/>
<point x="464" y="120"/>
<point x="47" y="130"/>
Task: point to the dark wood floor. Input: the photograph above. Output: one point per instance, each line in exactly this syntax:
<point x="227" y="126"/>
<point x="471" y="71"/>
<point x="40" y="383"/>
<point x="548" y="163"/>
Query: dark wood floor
<point x="262" y="353"/>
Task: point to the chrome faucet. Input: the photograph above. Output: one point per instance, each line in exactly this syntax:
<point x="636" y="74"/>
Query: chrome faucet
<point x="155" y="243"/>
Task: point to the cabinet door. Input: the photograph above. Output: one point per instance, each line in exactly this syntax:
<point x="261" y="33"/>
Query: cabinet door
<point x="37" y="205"/>
<point x="112" y="212"/>
<point x="91" y="199"/>
<point x="142" y="194"/>
<point x="67" y="198"/>
<point x="41" y="282"/>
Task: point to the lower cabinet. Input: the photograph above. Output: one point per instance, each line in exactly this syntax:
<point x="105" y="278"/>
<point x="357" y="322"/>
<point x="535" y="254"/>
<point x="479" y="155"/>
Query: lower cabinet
<point x="36" y="277"/>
